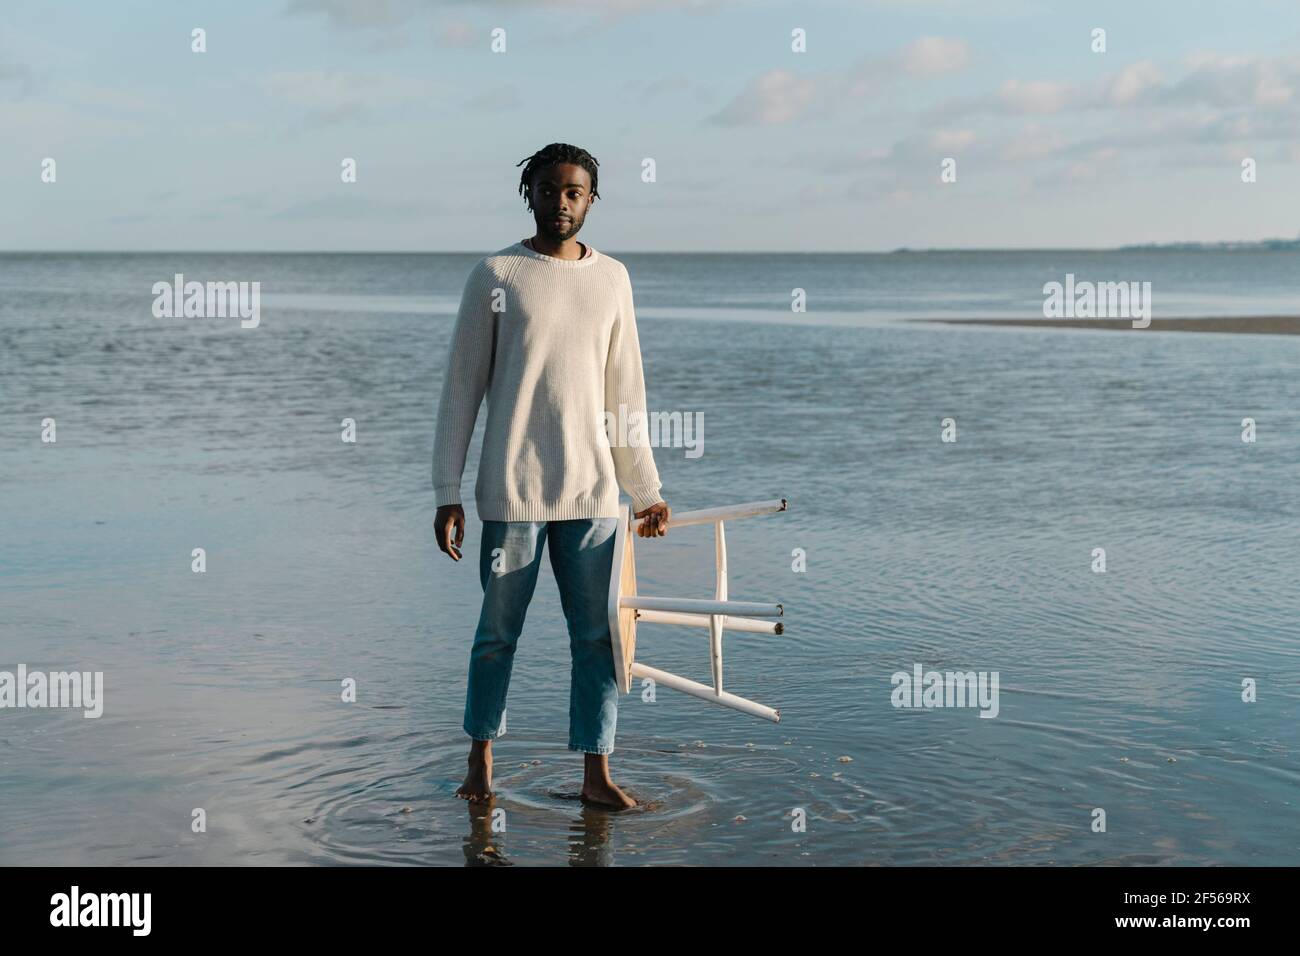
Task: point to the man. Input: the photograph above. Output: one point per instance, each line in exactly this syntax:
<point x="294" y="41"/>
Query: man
<point x="546" y="329"/>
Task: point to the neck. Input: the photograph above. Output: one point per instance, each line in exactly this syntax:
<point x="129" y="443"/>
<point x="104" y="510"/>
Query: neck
<point x="569" y="248"/>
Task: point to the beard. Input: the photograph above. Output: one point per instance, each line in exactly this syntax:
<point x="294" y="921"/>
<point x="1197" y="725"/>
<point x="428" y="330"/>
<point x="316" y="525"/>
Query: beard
<point x="545" y="228"/>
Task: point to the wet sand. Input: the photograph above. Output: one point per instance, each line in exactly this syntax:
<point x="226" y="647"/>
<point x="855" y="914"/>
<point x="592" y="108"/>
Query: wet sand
<point x="1250" y="324"/>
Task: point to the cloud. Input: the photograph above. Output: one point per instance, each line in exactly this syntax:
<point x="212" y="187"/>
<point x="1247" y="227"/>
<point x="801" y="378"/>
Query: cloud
<point x="611" y="10"/>
<point x="924" y="149"/>
<point x="1223" y="107"/>
<point x="357" y="14"/>
<point x="951" y="140"/>
<point x="1133" y="83"/>
<point x="1042" y="133"/>
<point x="1034" y="97"/>
<point x="1227" y="82"/>
<point x="779" y="96"/>
<point x="776" y="96"/>
<point x="392" y="15"/>
<point x="1088" y="167"/>
<point x="1234" y="81"/>
<point x="1033" y="142"/>
<point x="458" y="35"/>
<point x="930" y="55"/>
<point x="927" y="56"/>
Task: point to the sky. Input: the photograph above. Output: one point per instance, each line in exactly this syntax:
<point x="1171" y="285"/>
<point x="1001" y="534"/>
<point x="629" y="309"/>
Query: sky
<point x="755" y="146"/>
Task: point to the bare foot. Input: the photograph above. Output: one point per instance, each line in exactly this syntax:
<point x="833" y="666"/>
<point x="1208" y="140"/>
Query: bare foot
<point x="477" y="787"/>
<point x="598" y="788"/>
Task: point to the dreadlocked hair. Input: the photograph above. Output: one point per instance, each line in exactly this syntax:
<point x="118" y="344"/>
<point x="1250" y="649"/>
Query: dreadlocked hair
<point x="550" y="156"/>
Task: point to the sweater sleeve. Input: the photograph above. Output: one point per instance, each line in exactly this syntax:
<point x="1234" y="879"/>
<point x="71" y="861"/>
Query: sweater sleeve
<point x="468" y="370"/>
<point x="634" y="463"/>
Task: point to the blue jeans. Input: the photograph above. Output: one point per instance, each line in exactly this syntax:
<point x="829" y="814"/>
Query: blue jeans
<point x="510" y="555"/>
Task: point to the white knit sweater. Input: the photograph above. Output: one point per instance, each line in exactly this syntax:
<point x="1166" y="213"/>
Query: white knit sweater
<point x="553" y="343"/>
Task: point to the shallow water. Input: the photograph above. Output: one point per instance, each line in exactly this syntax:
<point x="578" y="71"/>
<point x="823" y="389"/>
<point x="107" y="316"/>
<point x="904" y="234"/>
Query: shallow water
<point x="1119" y="690"/>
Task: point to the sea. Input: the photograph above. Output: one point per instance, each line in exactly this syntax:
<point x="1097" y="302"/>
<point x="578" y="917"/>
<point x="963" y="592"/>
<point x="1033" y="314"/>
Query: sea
<point x="1106" y="522"/>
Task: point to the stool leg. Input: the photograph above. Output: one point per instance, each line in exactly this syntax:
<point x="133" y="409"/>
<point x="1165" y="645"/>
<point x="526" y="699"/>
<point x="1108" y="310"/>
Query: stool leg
<point x="719" y="594"/>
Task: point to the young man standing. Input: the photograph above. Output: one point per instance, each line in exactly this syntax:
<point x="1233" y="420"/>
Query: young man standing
<point x="546" y="330"/>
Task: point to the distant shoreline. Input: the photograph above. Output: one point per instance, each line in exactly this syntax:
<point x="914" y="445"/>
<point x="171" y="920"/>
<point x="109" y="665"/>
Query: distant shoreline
<point x="1245" y="245"/>
<point x="1245" y="325"/>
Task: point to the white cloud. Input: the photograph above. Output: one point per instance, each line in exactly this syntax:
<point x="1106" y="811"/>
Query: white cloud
<point x="1035" y="96"/>
<point x="395" y="14"/>
<point x="952" y="139"/>
<point x="776" y="96"/>
<point x="459" y="35"/>
<point x="1133" y="82"/>
<point x="779" y="96"/>
<point x="934" y="55"/>
<point x="1034" y="141"/>
<point x="357" y="14"/>
<point x="1237" y="81"/>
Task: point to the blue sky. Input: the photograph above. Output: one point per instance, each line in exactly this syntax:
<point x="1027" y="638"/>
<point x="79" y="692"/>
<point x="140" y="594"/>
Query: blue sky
<point x="756" y="147"/>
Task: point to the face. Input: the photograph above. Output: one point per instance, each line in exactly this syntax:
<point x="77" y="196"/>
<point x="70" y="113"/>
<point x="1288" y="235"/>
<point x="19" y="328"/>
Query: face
<point x="563" y="192"/>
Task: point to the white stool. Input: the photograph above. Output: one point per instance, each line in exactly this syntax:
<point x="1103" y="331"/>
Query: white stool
<point x="627" y="608"/>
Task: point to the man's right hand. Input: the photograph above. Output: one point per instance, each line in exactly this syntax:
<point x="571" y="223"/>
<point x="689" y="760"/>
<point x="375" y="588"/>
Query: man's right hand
<point x="448" y="519"/>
